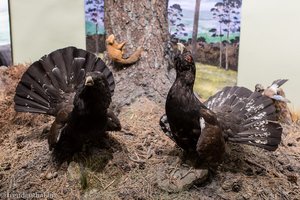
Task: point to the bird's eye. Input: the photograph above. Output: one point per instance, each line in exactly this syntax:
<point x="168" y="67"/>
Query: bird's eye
<point x="188" y="58"/>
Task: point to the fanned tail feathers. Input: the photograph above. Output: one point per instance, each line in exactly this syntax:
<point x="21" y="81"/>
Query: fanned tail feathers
<point x="250" y="117"/>
<point x="54" y="78"/>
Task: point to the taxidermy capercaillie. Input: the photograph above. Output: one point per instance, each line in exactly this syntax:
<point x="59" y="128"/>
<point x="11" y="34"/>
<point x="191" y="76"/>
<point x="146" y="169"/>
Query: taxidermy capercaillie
<point x="75" y="87"/>
<point x="234" y="114"/>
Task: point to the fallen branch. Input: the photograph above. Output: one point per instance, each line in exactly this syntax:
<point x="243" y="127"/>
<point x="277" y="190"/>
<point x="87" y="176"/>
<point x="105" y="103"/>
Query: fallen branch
<point x="98" y="179"/>
<point x="109" y="184"/>
<point x="186" y="173"/>
<point x="255" y="164"/>
<point x="137" y="160"/>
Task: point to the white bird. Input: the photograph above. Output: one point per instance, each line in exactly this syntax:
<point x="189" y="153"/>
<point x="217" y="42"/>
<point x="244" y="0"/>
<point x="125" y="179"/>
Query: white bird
<point x="274" y="91"/>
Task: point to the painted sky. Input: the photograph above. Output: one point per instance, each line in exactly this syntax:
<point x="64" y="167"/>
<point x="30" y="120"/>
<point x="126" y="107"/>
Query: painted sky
<point x="190" y="4"/>
<point x="206" y="21"/>
<point x="90" y="26"/>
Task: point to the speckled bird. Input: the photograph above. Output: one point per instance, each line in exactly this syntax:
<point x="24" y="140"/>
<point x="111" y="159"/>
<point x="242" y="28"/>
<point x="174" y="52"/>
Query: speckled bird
<point x="234" y="114"/>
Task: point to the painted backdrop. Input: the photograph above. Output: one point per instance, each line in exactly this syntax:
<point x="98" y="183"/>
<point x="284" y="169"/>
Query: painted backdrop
<point x="5" y="48"/>
<point x="211" y="30"/>
<point x="94" y="25"/>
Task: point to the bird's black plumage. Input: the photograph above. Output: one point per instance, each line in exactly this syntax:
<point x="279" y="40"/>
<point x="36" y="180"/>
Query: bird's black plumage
<point x="75" y="87"/>
<point x="235" y="114"/>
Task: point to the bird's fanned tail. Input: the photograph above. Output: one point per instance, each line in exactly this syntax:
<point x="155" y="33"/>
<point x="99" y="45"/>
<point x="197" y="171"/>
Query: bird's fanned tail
<point x="246" y="117"/>
<point x="54" y="78"/>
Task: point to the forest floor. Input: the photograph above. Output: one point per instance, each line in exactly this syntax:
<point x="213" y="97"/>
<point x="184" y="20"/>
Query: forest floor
<point x="138" y="162"/>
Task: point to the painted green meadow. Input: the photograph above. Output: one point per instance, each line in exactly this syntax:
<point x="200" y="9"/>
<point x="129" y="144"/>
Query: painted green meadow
<point x="210" y="79"/>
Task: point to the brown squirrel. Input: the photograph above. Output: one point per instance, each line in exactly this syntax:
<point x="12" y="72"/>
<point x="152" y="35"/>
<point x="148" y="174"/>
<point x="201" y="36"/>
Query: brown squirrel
<point x="116" y="51"/>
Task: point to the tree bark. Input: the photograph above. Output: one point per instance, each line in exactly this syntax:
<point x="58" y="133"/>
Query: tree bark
<point x="195" y="27"/>
<point x="141" y="23"/>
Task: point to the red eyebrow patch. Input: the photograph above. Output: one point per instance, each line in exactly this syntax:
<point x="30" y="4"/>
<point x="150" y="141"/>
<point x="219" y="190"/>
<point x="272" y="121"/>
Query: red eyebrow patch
<point x="188" y="58"/>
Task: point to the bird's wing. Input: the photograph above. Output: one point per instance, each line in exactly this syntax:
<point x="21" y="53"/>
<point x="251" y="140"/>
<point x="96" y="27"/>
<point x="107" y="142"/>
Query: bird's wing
<point x="49" y="84"/>
<point x="211" y="144"/>
<point x="58" y="125"/>
<point x="113" y="123"/>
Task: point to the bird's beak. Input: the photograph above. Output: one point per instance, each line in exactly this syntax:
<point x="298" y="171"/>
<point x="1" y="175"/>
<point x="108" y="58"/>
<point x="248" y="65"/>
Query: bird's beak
<point x="181" y="47"/>
<point x="89" y="81"/>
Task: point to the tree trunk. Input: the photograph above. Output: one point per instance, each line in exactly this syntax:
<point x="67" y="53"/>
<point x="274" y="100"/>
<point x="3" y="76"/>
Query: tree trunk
<point x="221" y="50"/>
<point x="141" y="23"/>
<point x="226" y="47"/>
<point x="226" y="56"/>
<point x="195" y="27"/>
<point x="97" y="40"/>
<point x="220" y="56"/>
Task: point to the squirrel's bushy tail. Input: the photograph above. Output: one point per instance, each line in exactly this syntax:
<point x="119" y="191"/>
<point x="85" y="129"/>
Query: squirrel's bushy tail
<point x="133" y="57"/>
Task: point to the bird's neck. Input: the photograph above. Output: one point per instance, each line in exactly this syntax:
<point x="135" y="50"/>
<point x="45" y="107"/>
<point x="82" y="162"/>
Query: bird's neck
<point x="181" y="92"/>
<point x="185" y="80"/>
<point x="94" y="100"/>
<point x="96" y="104"/>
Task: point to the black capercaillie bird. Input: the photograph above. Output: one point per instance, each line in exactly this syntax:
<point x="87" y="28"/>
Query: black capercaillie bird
<point x="75" y="87"/>
<point x="234" y="114"/>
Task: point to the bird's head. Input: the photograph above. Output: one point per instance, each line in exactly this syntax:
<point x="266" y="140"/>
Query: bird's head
<point x="95" y="79"/>
<point x="259" y="88"/>
<point x="96" y="89"/>
<point x="184" y="62"/>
